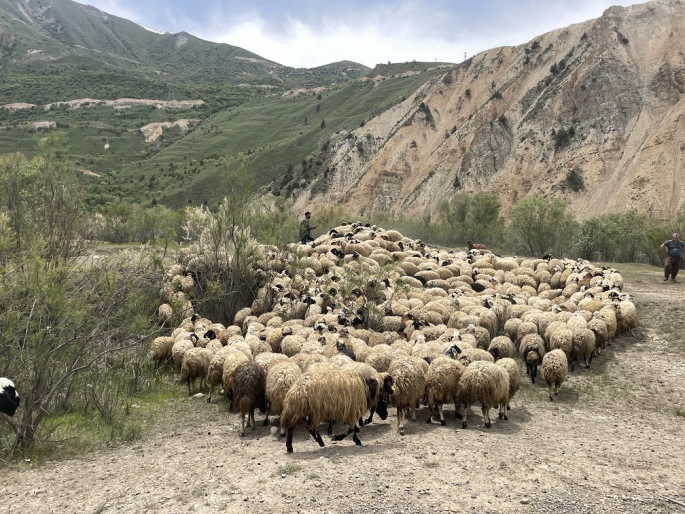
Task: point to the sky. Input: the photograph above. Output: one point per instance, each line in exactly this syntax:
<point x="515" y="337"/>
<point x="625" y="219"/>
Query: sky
<point x="310" y="33"/>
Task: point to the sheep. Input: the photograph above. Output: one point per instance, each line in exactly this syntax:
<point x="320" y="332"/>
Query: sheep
<point x="501" y="347"/>
<point x="532" y="350"/>
<point x="410" y="382"/>
<point x="180" y="347"/>
<point x="599" y="327"/>
<point x="512" y="368"/>
<point x="626" y="316"/>
<point x="160" y="349"/>
<point x="249" y="392"/>
<point x="441" y="384"/>
<point x="560" y="337"/>
<point x="9" y="399"/>
<point x="164" y="312"/>
<point x="554" y="370"/>
<point x="469" y="355"/>
<point x="195" y="364"/>
<point x="380" y="404"/>
<point x="231" y="362"/>
<point x="583" y="345"/>
<point x="215" y="370"/>
<point x="327" y="394"/>
<point x="486" y="383"/>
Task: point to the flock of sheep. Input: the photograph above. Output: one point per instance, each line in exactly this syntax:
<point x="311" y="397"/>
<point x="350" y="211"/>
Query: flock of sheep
<point x="364" y="317"/>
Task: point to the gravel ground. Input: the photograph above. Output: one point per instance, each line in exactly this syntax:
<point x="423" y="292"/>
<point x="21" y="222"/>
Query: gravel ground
<point x="611" y="442"/>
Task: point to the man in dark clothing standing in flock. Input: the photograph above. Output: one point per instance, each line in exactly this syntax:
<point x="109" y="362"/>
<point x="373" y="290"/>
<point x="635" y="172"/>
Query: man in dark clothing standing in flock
<point x="673" y="251"/>
<point x="306" y="228"/>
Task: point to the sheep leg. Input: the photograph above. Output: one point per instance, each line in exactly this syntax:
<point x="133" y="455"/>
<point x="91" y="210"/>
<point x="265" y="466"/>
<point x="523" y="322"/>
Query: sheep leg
<point x="355" y="437"/>
<point x="413" y="413"/>
<point x="289" y="440"/>
<point x="573" y="364"/>
<point x="266" y="419"/>
<point x="457" y="410"/>
<point x="330" y="427"/>
<point x="401" y="415"/>
<point x="587" y="363"/>
<point x="252" y="421"/>
<point x="556" y="390"/>
<point x="466" y="410"/>
<point x="317" y="437"/>
<point x="242" y="424"/>
<point x="189" y="391"/>
<point x="549" y="390"/>
<point x="342" y="436"/>
<point x="209" y="398"/>
<point x="486" y="416"/>
<point x="442" y="415"/>
<point x="430" y="412"/>
<point x="370" y="418"/>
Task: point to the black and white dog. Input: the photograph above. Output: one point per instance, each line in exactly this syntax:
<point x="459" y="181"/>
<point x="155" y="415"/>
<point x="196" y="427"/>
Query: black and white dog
<point x="9" y="400"/>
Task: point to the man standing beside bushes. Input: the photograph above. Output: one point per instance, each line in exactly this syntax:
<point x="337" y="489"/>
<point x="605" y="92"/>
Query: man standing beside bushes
<point x="673" y="251"/>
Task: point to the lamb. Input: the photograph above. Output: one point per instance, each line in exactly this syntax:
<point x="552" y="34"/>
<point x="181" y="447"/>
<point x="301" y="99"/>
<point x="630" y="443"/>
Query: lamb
<point x="279" y="380"/>
<point x="486" y="383"/>
<point x="532" y="350"/>
<point x="327" y="394"/>
<point x="9" y="399"/>
<point x="554" y="370"/>
<point x="410" y="383"/>
<point x="442" y="380"/>
<point x="249" y="392"/>
<point x="195" y="364"/>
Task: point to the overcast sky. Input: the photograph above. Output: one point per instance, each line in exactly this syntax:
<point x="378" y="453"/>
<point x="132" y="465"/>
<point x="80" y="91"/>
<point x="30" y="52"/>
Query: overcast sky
<point x="309" y="33"/>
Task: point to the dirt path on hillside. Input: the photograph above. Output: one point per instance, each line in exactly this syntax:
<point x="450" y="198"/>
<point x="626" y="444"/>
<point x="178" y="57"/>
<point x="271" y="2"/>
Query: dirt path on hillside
<point x="611" y="443"/>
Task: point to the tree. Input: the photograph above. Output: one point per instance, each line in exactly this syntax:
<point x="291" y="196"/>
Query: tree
<point x="323" y="124"/>
<point x="539" y="226"/>
<point x="318" y="107"/>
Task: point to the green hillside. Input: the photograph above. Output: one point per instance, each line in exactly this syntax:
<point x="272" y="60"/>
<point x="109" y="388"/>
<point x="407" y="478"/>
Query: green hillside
<point x="269" y="131"/>
<point x="62" y="50"/>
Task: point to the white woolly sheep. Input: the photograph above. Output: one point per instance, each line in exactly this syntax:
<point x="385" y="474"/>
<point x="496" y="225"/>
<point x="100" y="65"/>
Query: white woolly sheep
<point x="410" y="383"/>
<point x="160" y="349"/>
<point x="485" y="383"/>
<point x="442" y="380"/>
<point x="180" y="347"/>
<point x="554" y="370"/>
<point x="501" y="347"/>
<point x="195" y="364"/>
<point x="231" y="362"/>
<point x="512" y="368"/>
<point x="583" y="345"/>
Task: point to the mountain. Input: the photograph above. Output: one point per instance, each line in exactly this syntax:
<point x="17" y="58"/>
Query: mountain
<point x="593" y="113"/>
<point x="60" y="40"/>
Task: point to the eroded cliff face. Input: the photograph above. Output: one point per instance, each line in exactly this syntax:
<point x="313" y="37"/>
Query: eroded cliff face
<point x="592" y="113"/>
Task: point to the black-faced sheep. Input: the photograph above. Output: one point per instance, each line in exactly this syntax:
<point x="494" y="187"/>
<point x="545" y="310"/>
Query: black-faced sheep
<point x="249" y="392"/>
<point x="486" y="383"/>
<point x="9" y="399"/>
<point x="325" y="394"/>
<point x="554" y="370"/>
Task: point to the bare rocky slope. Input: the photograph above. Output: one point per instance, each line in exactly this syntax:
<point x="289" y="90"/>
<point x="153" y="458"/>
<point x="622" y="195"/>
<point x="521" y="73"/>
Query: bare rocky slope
<point x="592" y="113"/>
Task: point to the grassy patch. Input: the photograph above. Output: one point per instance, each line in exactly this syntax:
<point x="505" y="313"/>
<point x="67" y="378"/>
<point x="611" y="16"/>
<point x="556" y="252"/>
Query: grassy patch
<point x="313" y="476"/>
<point x="680" y="412"/>
<point x="431" y="464"/>
<point x="289" y="468"/>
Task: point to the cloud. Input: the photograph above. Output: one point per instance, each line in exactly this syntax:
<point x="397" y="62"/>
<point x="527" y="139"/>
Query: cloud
<point x="309" y="33"/>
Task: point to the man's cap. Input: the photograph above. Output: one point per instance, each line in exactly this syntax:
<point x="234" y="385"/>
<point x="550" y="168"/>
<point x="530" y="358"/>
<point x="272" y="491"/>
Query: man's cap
<point x="307" y="213"/>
